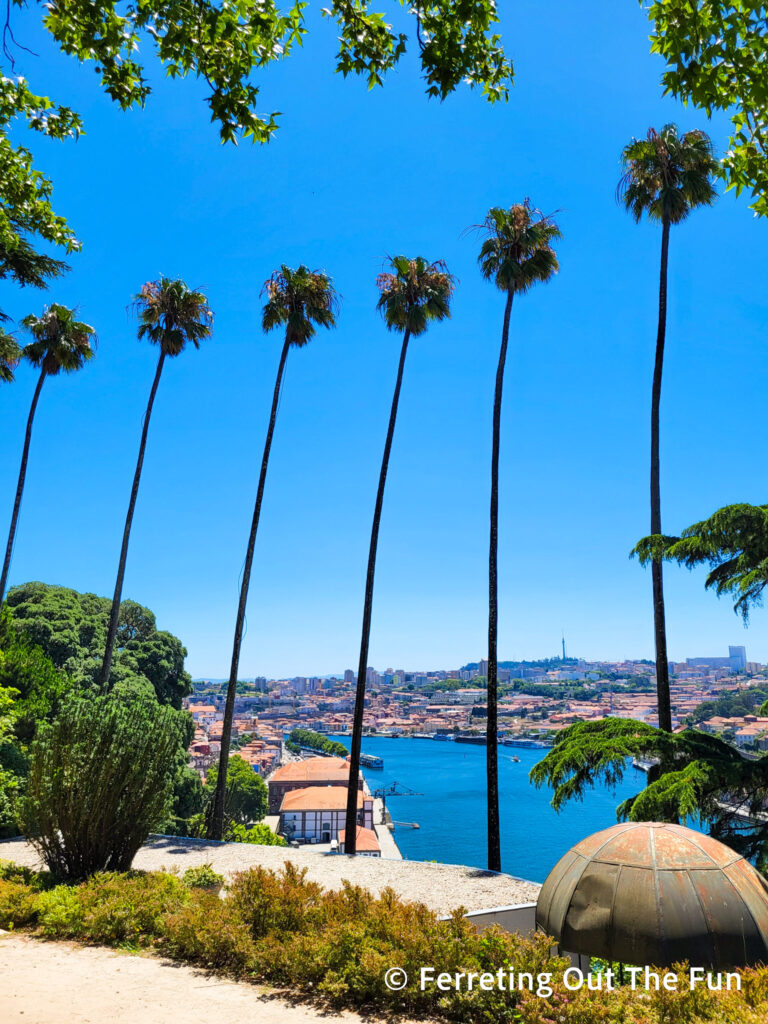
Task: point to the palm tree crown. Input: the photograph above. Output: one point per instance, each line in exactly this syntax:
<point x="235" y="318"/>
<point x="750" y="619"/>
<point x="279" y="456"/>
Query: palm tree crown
<point x="59" y="341"/>
<point x="667" y="175"/>
<point x="518" y="252"/>
<point x="171" y="315"/>
<point x="10" y="354"/>
<point x="299" y="299"/>
<point x="414" y="293"/>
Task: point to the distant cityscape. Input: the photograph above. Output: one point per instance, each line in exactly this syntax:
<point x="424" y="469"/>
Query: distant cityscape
<point x="536" y="700"/>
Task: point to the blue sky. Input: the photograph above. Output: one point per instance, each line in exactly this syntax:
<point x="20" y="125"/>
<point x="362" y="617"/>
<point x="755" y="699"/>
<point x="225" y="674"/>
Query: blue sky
<point x="350" y="177"/>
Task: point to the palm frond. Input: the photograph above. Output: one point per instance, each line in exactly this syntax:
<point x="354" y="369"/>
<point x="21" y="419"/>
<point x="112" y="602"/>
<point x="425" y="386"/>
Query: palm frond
<point x="10" y="354"/>
<point x="414" y="293"/>
<point x="300" y="300"/>
<point x="517" y="252"/>
<point x="172" y="315"/>
<point x="59" y="341"/>
<point x="667" y="175"/>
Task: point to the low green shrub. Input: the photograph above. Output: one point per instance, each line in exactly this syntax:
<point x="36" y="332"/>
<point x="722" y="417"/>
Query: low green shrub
<point x="281" y="928"/>
<point x="18" y="904"/>
<point x="207" y="932"/>
<point x="202" y="877"/>
<point x="113" y="909"/>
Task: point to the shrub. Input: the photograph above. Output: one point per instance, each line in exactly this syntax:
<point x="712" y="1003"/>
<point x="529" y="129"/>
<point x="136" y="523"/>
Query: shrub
<point x="113" y="909"/>
<point x="336" y="946"/>
<point x="202" y="877"/>
<point x="207" y="932"/>
<point x="18" y="904"/>
<point x="100" y="780"/>
<point x="259" y="835"/>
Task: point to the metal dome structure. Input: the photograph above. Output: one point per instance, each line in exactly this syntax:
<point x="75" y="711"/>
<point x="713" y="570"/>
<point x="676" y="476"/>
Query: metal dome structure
<point x="654" y="893"/>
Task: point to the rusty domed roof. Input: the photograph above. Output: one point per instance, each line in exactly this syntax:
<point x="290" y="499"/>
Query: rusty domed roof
<point x="654" y="893"/>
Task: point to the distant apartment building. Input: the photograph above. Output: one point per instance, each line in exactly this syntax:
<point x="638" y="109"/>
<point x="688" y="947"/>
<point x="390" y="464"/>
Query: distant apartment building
<point x="735" y="662"/>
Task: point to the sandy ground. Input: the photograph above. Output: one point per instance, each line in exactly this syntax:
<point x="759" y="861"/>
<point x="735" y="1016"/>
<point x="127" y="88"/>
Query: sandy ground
<point x="59" y="983"/>
<point x="442" y="887"/>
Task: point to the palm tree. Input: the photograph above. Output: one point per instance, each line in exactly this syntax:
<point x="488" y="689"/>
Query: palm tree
<point x="297" y="299"/>
<point x="10" y="354"/>
<point x="516" y="254"/>
<point x="59" y="342"/>
<point x="171" y="315"/>
<point x="411" y="296"/>
<point x="666" y="175"/>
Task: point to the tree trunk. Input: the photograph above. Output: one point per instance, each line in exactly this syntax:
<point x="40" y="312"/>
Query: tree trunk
<point x="20" y="487"/>
<point x="492" y="749"/>
<point x="216" y="818"/>
<point x="350" y="827"/>
<point x="114" y="614"/>
<point x="659" y="624"/>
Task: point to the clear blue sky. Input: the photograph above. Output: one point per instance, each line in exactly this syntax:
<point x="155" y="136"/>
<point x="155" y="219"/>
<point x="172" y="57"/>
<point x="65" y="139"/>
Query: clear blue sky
<point x="353" y="176"/>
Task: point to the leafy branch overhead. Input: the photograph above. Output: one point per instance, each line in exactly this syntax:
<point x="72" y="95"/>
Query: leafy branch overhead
<point x="733" y="542"/>
<point x="715" y="55"/>
<point x="696" y="776"/>
<point x="225" y="42"/>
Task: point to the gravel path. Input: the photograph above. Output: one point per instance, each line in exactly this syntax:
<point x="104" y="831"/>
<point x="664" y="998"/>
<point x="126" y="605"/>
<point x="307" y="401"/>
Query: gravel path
<point x="59" y="983"/>
<point x="442" y="887"/>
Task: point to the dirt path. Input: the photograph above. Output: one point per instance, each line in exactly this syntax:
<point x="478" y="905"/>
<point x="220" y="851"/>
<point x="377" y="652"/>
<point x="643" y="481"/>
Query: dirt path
<point x="59" y="983"/>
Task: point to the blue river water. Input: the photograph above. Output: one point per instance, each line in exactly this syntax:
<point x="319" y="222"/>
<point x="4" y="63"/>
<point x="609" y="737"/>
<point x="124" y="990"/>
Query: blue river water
<point x="450" y="808"/>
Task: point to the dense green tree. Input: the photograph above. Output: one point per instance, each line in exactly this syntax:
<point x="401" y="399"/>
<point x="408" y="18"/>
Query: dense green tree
<point x="413" y="293"/>
<point x="101" y="779"/>
<point x="70" y="628"/>
<point x="715" y="54"/>
<point x="38" y="685"/>
<point x="296" y="300"/>
<point x="666" y="176"/>
<point x="8" y="779"/>
<point x="171" y="316"/>
<point x="315" y="740"/>
<point x="516" y="254"/>
<point x="246" y="799"/>
<point x="59" y="342"/>
<point x="733" y="542"/>
<point x="699" y="776"/>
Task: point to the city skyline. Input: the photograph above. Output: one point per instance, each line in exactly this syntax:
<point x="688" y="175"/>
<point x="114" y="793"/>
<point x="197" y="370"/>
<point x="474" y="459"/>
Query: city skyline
<point x="736" y="652"/>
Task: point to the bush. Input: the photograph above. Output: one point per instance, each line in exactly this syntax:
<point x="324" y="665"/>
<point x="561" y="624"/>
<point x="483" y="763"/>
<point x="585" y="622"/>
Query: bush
<point x="203" y="877"/>
<point x="18" y="904"/>
<point x="100" y="780"/>
<point x="113" y="909"/>
<point x="259" y="835"/>
<point x="336" y="946"/>
<point x="206" y="932"/>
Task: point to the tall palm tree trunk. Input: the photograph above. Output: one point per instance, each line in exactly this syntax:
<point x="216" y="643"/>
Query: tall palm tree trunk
<point x="216" y="820"/>
<point x="114" y="613"/>
<point x="350" y="827"/>
<point x="20" y="487"/>
<point x="492" y="750"/>
<point x="659" y="624"/>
